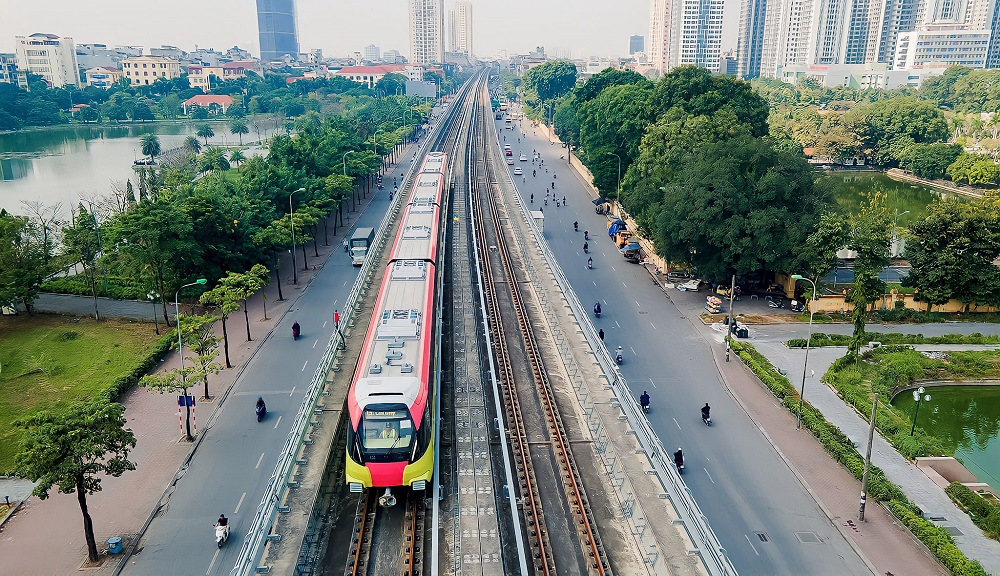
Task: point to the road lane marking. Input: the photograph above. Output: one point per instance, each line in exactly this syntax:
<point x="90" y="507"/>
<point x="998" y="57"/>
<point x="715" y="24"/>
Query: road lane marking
<point x="292" y="392"/>
<point x="751" y="545"/>
<point x="335" y="303"/>
<point x="324" y="324"/>
<point x="709" y="475"/>
<point x="624" y="284"/>
<point x="304" y="366"/>
<point x="676" y="423"/>
<point x="595" y="283"/>
<point x="653" y="325"/>
<point x="637" y="305"/>
<point x="653" y="383"/>
<point x="633" y="351"/>
<point x="212" y="563"/>
<point x="315" y="342"/>
<point x="617" y="324"/>
<point x="276" y="423"/>
<point x="240" y="503"/>
<point x="259" y="460"/>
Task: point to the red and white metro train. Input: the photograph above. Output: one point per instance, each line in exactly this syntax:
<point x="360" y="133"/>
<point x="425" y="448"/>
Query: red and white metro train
<point x="391" y="437"/>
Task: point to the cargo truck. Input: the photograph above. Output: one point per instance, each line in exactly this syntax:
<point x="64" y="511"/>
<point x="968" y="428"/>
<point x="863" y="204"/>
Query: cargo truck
<point x="361" y="241"/>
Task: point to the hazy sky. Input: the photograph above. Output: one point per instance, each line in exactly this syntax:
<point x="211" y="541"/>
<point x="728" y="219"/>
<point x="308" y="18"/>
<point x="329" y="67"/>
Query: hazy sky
<point x="339" y="27"/>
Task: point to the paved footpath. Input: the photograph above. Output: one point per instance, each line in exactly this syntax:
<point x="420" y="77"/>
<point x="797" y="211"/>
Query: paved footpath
<point x="44" y="538"/>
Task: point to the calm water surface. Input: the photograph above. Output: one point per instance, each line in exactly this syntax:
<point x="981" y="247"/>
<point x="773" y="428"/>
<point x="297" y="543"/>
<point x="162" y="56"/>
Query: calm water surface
<point x="907" y="200"/>
<point x="67" y="163"/>
<point x="967" y="420"/>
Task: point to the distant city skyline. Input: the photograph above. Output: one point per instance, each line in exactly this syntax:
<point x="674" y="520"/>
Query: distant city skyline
<point x="581" y="27"/>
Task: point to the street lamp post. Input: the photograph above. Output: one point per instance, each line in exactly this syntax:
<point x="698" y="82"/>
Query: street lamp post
<point x="153" y="296"/>
<point x="619" y="172"/>
<point x="180" y="350"/>
<point x="291" y="224"/>
<point x="805" y="364"/>
<point x="918" y="396"/>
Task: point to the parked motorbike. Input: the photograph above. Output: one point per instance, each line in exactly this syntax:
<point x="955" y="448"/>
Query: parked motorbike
<point x="776" y="303"/>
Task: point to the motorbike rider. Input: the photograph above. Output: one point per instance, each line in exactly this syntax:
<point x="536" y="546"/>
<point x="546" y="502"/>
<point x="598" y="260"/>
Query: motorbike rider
<point x="705" y="411"/>
<point x="576" y="226"/>
<point x="597" y="308"/>
<point x="679" y="457"/>
<point x="586" y="246"/>
<point x="590" y="262"/>
<point x="532" y="172"/>
<point x="532" y="198"/>
<point x="644" y="400"/>
<point x="223" y="521"/>
<point x="586" y="234"/>
<point x="296" y="329"/>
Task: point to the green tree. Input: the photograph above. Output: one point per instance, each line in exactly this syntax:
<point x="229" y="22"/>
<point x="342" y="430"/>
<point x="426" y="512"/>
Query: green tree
<point x="820" y="250"/>
<point x="952" y="250"/>
<point x="390" y="84"/>
<point x="80" y="246"/>
<point x="142" y="113"/>
<point x="214" y="160"/>
<point x="544" y="83"/>
<point x="236" y="156"/>
<point x="871" y="237"/>
<point x="70" y="448"/>
<point x="273" y="240"/>
<point x="614" y="123"/>
<point x="192" y="145"/>
<point x="973" y="169"/>
<point x="172" y="381"/>
<point x="90" y="114"/>
<point x="205" y="131"/>
<point x="738" y="206"/>
<point x="196" y="332"/>
<point x="888" y="127"/>
<point x="238" y="126"/>
<point x="150" y="144"/>
<point x="929" y="160"/>
<point x="699" y="93"/>
<point x="22" y="261"/>
<point x="154" y="240"/>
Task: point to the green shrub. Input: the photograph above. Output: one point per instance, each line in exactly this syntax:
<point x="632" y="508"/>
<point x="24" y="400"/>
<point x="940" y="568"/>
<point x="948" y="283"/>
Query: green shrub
<point x="985" y="514"/>
<point x="124" y="383"/>
<point x="888" y="338"/>
<point x="118" y="288"/>
<point x="937" y="540"/>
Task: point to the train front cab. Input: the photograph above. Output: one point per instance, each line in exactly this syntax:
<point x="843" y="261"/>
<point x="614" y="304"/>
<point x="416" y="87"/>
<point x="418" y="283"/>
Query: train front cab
<point x="387" y="450"/>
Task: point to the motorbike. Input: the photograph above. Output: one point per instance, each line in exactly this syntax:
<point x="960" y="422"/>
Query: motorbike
<point x="576" y="227"/>
<point x="586" y="235"/>
<point x="679" y="462"/>
<point x="706" y="419"/>
<point x="597" y="311"/>
<point x="296" y="331"/>
<point x="590" y="263"/>
<point x="221" y="534"/>
<point x="776" y="303"/>
<point x="618" y="358"/>
<point x="645" y="408"/>
<point x="261" y="412"/>
<point x="586" y="248"/>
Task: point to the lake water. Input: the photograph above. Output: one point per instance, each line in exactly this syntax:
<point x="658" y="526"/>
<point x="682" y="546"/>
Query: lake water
<point x="907" y="200"/>
<point x="966" y="420"/>
<point x="72" y="162"/>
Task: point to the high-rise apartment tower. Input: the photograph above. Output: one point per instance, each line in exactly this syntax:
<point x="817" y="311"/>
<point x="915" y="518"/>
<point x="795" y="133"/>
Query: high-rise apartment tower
<point x="460" y="28"/>
<point x="277" y="29"/>
<point x="426" y="31"/>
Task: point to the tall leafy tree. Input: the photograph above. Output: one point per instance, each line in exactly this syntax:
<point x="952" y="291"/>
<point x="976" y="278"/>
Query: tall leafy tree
<point x="22" y="261"/>
<point x="192" y="145"/>
<point x="81" y="246"/>
<point x="71" y="448"/>
<point x="871" y="237"/>
<point x="273" y="240"/>
<point x="205" y="131"/>
<point x="888" y="127"/>
<point x="738" y="206"/>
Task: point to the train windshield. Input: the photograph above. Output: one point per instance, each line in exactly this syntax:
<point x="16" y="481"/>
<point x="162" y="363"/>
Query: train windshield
<point x="387" y="431"/>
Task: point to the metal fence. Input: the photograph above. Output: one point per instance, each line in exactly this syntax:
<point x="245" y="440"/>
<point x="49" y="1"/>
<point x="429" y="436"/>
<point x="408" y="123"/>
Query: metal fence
<point x="713" y="556"/>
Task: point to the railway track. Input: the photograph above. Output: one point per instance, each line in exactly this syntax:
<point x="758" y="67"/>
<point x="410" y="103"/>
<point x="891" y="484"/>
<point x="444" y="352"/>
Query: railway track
<point x="391" y="540"/>
<point x="499" y="269"/>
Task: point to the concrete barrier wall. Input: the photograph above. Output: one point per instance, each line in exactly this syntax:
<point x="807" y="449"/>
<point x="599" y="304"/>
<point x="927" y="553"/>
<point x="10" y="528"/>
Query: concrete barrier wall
<point x="838" y="303"/>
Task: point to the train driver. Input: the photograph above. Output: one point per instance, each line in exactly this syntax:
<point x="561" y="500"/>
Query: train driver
<point x="388" y="432"/>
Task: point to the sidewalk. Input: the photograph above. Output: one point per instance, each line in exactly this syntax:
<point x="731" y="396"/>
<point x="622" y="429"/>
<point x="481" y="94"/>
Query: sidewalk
<point x="45" y="537"/>
<point x="917" y="486"/>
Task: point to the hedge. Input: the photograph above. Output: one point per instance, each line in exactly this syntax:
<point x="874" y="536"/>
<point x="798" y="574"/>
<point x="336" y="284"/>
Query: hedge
<point x="822" y="339"/>
<point x="985" y="514"/>
<point x="119" y="288"/>
<point x="124" y="383"/>
<point x="840" y="447"/>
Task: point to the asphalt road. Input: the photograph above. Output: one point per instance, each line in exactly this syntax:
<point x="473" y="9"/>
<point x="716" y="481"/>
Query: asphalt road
<point x="231" y="468"/>
<point x="741" y="484"/>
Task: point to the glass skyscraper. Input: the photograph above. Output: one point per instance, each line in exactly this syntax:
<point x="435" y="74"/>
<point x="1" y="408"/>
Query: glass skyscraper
<point x="277" y="29"/>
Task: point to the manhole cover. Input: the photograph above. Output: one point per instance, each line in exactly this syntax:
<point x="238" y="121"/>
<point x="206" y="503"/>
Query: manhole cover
<point x="763" y="536"/>
<point x="953" y="531"/>
<point x="807" y="537"/>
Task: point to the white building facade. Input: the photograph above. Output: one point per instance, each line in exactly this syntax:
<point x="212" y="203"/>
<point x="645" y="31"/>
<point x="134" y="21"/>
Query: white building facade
<point x="49" y="56"/>
<point x="426" y="31"/>
<point x="460" y="28"/>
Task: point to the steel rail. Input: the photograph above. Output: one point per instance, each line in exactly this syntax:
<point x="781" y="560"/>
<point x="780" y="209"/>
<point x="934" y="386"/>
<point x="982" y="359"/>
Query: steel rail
<point x="572" y="482"/>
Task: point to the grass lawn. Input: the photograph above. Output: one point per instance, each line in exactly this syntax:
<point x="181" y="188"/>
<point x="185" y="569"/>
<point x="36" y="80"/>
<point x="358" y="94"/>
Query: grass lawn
<point x="47" y="361"/>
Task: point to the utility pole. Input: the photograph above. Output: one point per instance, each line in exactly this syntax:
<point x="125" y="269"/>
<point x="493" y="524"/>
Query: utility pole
<point x="868" y="462"/>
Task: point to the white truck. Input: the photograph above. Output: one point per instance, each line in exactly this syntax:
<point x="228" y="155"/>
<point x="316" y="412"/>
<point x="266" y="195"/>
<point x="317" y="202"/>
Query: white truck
<point x="361" y="240"/>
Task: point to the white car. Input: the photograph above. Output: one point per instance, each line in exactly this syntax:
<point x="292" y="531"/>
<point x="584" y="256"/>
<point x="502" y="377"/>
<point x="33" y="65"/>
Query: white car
<point x="523" y="158"/>
<point x="690" y="286"/>
<point x="518" y="171"/>
<point x="510" y="161"/>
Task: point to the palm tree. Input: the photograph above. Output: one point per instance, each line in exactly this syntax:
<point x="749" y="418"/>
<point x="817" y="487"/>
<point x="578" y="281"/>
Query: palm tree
<point x="150" y="146"/>
<point x="214" y="160"/>
<point x="238" y="126"/>
<point x="236" y="156"/>
<point x="205" y="131"/>
<point x="192" y="145"/>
